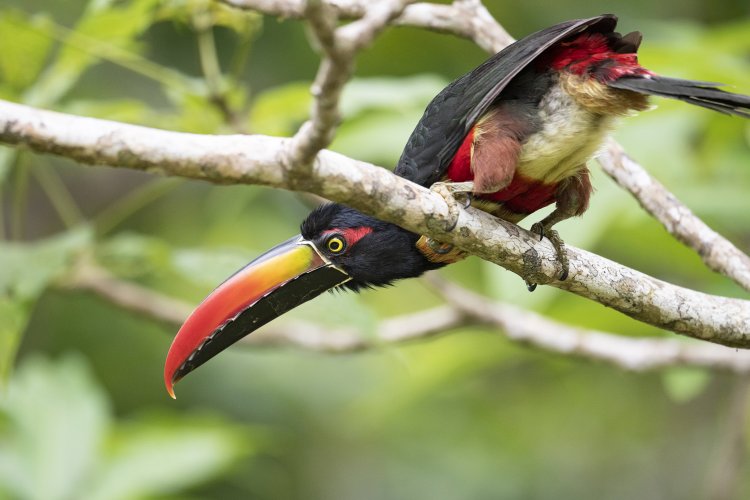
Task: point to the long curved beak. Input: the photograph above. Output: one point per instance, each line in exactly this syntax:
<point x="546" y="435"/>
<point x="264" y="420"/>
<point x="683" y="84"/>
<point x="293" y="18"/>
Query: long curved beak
<point x="279" y="280"/>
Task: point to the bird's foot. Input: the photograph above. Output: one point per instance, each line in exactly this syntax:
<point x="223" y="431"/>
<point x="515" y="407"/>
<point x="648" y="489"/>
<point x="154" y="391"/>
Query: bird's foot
<point x="557" y="242"/>
<point x="457" y="196"/>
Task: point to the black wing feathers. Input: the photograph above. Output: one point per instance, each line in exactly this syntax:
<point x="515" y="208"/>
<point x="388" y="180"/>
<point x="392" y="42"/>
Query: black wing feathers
<point x="453" y="112"/>
<point x="703" y="94"/>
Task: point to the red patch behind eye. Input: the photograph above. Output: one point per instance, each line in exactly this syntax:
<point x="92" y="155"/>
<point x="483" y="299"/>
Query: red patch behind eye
<point x="351" y="234"/>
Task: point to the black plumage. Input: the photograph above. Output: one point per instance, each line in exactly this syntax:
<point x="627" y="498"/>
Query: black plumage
<point x="704" y="94"/>
<point x="451" y="114"/>
<point x="387" y="253"/>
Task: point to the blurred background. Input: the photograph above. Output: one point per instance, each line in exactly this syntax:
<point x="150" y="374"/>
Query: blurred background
<point x="84" y="413"/>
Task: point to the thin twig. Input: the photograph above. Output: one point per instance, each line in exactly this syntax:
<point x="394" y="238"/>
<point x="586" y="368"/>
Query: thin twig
<point x="718" y="253"/>
<point x="465" y="19"/>
<point x="129" y="296"/>
<point x="148" y="303"/>
<point x="361" y="33"/>
<point x="339" y="47"/>
<point x="464" y="309"/>
<point x="335" y="70"/>
<point x="635" y="354"/>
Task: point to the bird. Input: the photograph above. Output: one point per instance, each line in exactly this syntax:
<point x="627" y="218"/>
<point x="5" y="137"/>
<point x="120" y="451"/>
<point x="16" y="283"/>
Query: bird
<point x="510" y="137"/>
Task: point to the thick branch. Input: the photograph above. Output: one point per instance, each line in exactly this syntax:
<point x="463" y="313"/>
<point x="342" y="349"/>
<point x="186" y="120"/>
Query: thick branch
<point x="376" y="191"/>
<point x="470" y="19"/>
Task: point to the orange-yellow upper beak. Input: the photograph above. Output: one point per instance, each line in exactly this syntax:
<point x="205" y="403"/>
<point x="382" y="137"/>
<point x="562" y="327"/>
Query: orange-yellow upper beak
<point x="277" y="281"/>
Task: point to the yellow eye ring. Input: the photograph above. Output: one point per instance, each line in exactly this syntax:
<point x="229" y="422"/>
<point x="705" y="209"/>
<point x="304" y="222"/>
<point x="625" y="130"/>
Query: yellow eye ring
<point x="335" y="244"/>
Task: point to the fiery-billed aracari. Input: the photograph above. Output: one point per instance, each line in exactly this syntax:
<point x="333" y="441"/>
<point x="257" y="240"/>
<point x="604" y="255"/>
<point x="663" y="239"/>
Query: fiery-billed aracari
<point x="515" y="133"/>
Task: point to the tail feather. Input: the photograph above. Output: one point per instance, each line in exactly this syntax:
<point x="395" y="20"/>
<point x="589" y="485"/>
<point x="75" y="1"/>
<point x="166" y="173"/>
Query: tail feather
<point x="703" y="94"/>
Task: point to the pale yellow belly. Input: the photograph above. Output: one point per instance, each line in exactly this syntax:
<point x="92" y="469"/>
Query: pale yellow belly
<point x="569" y="137"/>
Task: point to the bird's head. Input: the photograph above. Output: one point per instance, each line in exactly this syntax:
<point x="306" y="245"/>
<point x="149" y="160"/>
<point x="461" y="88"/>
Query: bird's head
<point x="339" y="248"/>
<point x="371" y="252"/>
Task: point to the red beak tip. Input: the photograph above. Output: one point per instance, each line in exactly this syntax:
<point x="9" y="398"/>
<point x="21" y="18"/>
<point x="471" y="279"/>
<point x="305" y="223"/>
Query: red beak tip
<point x="170" y="390"/>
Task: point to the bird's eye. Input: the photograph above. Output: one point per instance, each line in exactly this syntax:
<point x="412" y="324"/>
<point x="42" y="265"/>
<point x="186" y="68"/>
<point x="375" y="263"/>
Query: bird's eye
<point x="336" y="244"/>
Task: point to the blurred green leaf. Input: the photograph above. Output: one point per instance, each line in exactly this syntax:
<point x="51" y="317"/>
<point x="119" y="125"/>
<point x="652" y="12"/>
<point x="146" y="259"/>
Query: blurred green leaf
<point x="380" y="114"/>
<point x="27" y="42"/>
<point x="415" y="92"/>
<point x="431" y="367"/>
<point x="208" y="268"/>
<point x="243" y="22"/>
<point x="717" y="54"/>
<point x="386" y="110"/>
<point x="156" y="456"/>
<point x="28" y="268"/>
<point x="195" y="114"/>
<point x="14" y="316"/>
<point x="7" y="157"/>
<point x="101" y="24"/>
<point x="376" y="136"/>
<point x="59" y="441"/>
<point x="684" y="384"/>
<point x="280" y="110"/>
<point x="134" y="255"/>
<point x="122" y="110"/>
<point x="350" y="312"/>
<point x="57" y="421"/>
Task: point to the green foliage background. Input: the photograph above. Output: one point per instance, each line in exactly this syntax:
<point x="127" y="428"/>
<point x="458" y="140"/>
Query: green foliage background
<point x="470" y="415"/>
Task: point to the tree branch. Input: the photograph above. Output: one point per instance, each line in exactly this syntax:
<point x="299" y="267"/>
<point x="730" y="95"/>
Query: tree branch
<point x="339" y="47"/>
<point x="470" y="19"/>
<point x="335" y="70"/>
<point x="465" y="18"/>
<point x="718" y="253"/>
<point x="129" y="296"/>
<point x="464" y="309"/>
<point x="378" y="192"/>
<point x="634" y="354"/>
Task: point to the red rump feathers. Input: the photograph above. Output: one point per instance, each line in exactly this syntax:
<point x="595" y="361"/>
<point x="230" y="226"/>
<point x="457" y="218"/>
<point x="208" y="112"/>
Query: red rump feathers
<point x="593" y="53"/>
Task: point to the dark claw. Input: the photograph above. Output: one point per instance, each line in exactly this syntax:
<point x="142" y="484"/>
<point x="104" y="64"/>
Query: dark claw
<point x="557" y="242"/>
<point x="538" y="228"/>
<point x="438" y="247"/>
